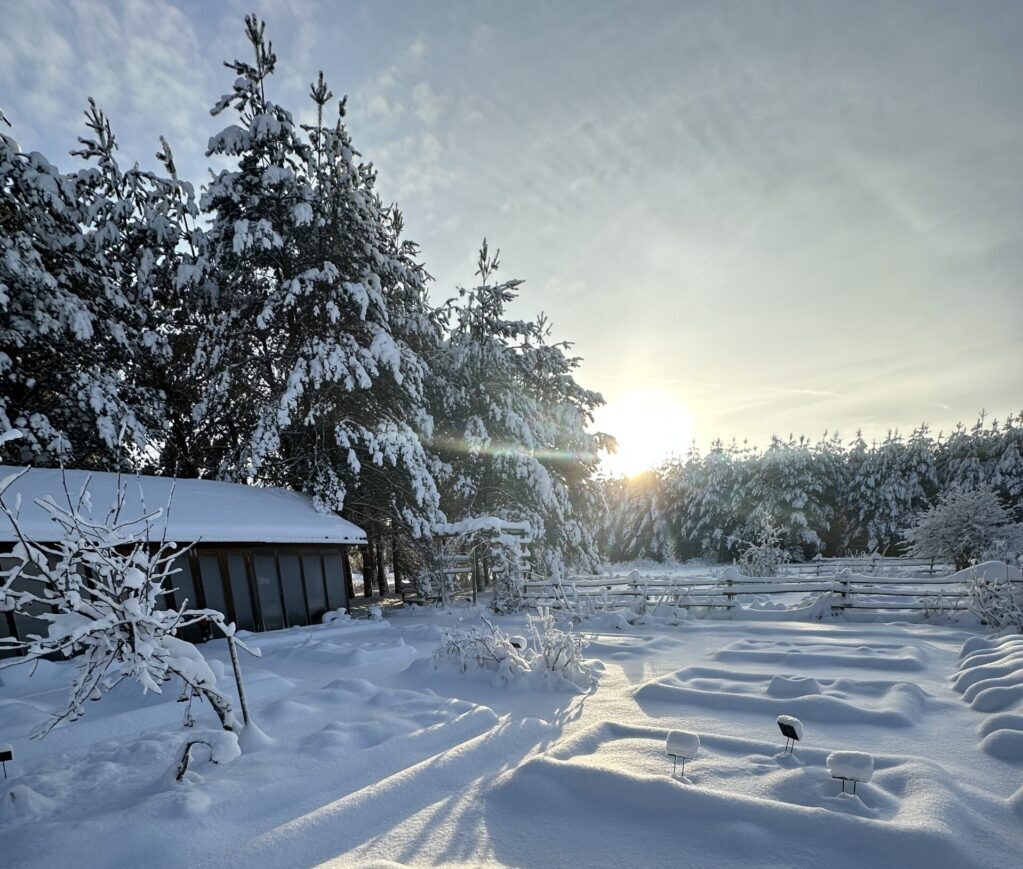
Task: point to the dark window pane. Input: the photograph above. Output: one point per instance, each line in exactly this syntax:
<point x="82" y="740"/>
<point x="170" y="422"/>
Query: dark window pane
<point x="182" y="585"/>
<point x="336" y="597"/>
<point x="269" y="591"/>
<point x="25" y="622"/>
<point x="291" y="583"/>
<point x="315" y="596"/>
<point x="5" y="618"/>
<point x="5" y="631"/>
<point x="243" y="616"/>
<point x="212" y="583"/>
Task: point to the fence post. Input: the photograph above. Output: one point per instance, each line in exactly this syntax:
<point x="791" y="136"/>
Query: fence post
<point x="842" y="579"/>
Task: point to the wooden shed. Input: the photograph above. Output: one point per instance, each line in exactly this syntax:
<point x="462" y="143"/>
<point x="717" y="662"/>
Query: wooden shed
<point x="264" y="557"/>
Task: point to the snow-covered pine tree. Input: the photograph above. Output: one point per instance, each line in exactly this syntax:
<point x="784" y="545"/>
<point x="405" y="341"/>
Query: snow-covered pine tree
<point x="633" y="526"/>
<point x="786" y="487"/>
<point x="1007" y="479"/>
<point x="511" y="424"/>
<point x="831" y="470"/>
<point x="313" y="376"/>
<point x="966" y="525"/>
<point x="79" y="323"/>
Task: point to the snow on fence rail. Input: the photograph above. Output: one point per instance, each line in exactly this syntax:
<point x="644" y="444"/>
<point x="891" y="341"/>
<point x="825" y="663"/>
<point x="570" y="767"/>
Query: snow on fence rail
<point x="848" y="591"/>
<point x="870" y="565"/>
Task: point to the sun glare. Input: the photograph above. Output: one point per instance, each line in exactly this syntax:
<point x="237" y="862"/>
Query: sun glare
<point x="649" y="426"/>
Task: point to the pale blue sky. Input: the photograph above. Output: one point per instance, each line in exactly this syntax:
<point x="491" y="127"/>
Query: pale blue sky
<point x="750" y="217"/>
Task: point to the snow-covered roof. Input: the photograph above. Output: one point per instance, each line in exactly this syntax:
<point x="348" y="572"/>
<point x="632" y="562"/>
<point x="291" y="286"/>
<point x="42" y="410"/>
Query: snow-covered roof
<point x="200" y="510"/>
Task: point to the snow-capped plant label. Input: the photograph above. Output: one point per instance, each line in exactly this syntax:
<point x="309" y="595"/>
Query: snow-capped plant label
<point x="682" y="745"/>
<point x="851" y="766"/>
<point x="6" y="754"/>
<point x="792" y="729"/>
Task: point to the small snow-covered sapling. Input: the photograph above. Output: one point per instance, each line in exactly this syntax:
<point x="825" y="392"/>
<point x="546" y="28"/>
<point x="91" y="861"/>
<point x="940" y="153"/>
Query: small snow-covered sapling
<point x="792" y="729"/>
<point x="851" y="766"/>
<point x="682" y="745"/>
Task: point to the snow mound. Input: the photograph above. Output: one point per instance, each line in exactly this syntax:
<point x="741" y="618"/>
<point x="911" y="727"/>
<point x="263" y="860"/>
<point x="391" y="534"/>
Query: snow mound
<point x="855" y="765"/>
<point x="1006" y="745"/>
<point x="21" y="803"/>
<point x="990" y="674"/>
<point x="787" y="687"/>
<point x="882" y="702"/>
<point x="794" y="723"/>
<point x="995" y="570"/>
<point x="595" y="781"/>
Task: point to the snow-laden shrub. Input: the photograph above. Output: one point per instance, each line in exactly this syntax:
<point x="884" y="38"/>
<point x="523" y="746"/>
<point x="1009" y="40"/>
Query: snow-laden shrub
<point x="762" y="554"/>
<point x="100" y="588"/>
<point x="552" y="653"/>
<point x="221" y="746"/>
<point x="557" y="651"/>
<point x="996" y="601"/>
<point x="482" y="647"/>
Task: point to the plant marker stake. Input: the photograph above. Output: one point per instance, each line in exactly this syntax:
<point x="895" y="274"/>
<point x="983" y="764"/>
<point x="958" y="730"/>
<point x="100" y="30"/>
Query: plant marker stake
<point x="238" y="678"/>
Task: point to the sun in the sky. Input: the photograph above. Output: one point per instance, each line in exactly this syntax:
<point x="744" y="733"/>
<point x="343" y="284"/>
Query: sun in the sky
<point x="649" y="425"/>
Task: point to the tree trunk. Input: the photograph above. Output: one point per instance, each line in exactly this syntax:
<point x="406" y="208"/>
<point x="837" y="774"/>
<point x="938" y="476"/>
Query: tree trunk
<point x="368" y="569"/>
<point x="346" y="569"/>
<point x="394" y="566"/>
<point x="381" y="573"/>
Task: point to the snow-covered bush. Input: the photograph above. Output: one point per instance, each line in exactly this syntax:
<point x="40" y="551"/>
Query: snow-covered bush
<point x="100" y="589"/>
<point x="482" y="647"/>
<point x="558" y="651"/>
<point x="964" y="526"/>
<point x="996" y="600"/>
<point x="762" y="555"/>
<point x="553" y="653"/>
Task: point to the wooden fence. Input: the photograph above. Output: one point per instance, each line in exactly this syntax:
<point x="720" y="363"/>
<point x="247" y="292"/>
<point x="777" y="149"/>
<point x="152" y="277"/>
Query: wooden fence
<point x="870" y="565"/>
<point x="847" y="591"/>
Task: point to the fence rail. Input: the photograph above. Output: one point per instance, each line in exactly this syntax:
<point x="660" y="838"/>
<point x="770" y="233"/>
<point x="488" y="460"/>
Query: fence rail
<point x="848" y="591"/>
<point x="870" y="565"/>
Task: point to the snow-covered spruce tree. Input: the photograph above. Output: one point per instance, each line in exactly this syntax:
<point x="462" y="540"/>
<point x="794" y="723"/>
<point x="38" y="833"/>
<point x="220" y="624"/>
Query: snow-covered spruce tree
<point x="1007" y="479"/>
<point x="633" y="526"/>
<point x="785" y="487"/>
<point x="78" y="317"/>
<point x="965" y="526"/>
<point x="100" y="588"/>
<point x="511" y="425"/>
<point x="705" y="499"/>
<point x="892" y="482"/>
<point x="311" y="369"/>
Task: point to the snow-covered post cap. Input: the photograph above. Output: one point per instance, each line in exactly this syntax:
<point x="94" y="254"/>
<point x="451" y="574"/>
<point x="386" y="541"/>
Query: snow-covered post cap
<point x="854" y="766"/>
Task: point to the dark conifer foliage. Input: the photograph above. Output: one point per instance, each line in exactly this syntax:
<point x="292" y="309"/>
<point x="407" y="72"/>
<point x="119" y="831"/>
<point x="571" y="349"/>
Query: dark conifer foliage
<point x="277" y="330"/>
<point x="823" y="497"/>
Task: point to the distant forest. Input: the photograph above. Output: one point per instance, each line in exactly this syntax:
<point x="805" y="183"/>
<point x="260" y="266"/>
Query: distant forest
<point x="825" y="497"/>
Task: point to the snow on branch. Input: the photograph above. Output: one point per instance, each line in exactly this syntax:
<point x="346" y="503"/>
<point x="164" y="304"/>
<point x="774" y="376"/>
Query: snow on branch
<point x="99" y="588"/>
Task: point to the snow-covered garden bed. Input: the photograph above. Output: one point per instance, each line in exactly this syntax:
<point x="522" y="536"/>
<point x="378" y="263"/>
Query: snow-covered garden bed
<point x="367" y="751"/>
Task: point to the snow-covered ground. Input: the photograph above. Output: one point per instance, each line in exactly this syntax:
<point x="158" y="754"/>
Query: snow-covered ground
<point x="374" y="754"/>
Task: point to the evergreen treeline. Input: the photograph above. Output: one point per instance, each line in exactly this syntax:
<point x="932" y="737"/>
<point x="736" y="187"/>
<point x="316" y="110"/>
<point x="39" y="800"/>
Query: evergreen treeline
<point x="274" y="328"/>
<point x="824" y="497"/>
